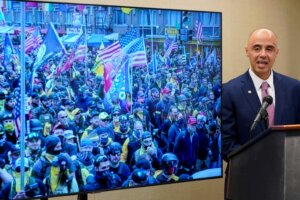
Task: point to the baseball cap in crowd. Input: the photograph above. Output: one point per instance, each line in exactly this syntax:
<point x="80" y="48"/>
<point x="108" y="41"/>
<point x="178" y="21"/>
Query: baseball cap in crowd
<point x="146" y="134"/>
<point x="201" y="117"/>
<point x="166" y="90"/>
<point x="7" y="116"/>
<point x="35" y="125"/>
<point x="181" y="98"/>
<point x="32" y="135"/>
<point x="86" y="142"/>
<point x="68" y="134"/>
<point x="103" y="116"/>
<point x="192" y="120"/>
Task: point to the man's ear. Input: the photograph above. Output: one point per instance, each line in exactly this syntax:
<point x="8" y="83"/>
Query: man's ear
<point x="246" y="51"/>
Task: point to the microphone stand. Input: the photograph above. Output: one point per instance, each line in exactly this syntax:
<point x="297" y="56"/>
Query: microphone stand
<point x="264" y="116"/>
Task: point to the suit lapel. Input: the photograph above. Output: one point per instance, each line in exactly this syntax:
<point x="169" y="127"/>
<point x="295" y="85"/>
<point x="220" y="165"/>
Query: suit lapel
<point x="249" y="92"/>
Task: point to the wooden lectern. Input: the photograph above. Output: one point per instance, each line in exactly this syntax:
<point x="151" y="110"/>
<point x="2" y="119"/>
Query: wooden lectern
<point x="267" y="167"/>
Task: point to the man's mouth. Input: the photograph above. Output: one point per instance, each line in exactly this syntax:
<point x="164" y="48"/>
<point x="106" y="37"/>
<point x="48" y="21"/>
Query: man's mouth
<point x="262" y="62"/>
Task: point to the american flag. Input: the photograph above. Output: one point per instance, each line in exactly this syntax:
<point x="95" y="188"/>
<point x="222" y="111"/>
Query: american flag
<point x="137" y="53"/>
<point x="17" y="110"/>
<point x="115" y="49"/>
<point x="80" y="53"/>
<point x="33" y="41"/>
<point x="173" y="46"/>
<point x="199" y="31"/>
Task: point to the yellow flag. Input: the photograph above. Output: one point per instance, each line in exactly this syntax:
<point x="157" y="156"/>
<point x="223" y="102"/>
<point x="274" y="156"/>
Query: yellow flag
<point x="99" y="69"/>
<point x="126" y="10"/>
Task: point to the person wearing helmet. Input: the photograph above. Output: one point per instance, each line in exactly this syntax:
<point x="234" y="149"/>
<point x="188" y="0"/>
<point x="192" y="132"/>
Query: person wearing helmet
<point x="138" y="177"/>
<point x="125" y="130"/>
<point x="117" y="167"/>
<point x="169" y="165"/>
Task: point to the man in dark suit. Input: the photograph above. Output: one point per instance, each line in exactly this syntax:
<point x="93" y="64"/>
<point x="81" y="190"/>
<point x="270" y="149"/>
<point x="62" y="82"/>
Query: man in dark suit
<point x="242" y="99"/>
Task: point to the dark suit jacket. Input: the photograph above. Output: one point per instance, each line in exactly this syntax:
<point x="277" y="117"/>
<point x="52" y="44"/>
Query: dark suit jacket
<point x="240" y="104"/>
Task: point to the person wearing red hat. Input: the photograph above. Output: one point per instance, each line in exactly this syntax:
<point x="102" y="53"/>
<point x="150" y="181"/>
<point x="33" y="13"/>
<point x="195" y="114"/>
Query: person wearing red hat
<point x="186" y="147"/>
<point x="163" y="106"/>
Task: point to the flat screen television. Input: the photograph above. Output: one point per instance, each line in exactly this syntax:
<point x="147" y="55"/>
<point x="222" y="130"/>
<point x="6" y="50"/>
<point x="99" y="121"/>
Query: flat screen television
<point x="96" y="98"/>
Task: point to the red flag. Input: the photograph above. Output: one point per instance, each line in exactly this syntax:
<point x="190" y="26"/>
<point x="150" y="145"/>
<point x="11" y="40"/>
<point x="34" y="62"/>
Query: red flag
<point x="108" y="76"/>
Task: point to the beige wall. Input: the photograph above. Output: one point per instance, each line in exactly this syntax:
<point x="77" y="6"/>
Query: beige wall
<point x="240" y="17"/>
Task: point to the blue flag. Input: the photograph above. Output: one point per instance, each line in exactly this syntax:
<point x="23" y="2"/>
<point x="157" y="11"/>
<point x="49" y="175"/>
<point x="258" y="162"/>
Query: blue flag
<point x="51" y="44"/>
<point x="8" y="50"/>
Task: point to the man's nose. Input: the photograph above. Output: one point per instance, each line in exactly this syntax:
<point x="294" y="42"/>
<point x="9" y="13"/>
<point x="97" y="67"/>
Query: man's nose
<point x="263" y="53"/>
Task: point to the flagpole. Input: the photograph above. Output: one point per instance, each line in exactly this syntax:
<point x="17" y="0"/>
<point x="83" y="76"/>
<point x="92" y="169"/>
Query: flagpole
<point x="131" y="83"/>
<point x="22" y="114"/>
<point x="151" y="25"/>
<point x="85" y="13"/>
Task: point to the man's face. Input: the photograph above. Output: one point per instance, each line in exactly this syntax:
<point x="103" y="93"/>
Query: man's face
<point x="174" y="113"/>
<point x="58" y="132"/>
<point x="103" y="166"/>
<point x="46" y="103"/>
<point x="115" y="157"/>
<point x="147" y="142"/>
<point x="63" y="118"/>
<point x="34" y="144"/>
<point x="11" y="103"/>
<point x="262" y="51"/>
<point x="138" y="127"/>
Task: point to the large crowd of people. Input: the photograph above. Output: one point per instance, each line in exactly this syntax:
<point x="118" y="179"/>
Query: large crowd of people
<point x="166" y="130"/>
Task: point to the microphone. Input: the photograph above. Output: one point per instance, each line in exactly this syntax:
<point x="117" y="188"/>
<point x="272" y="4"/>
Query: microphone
<point x="262" y="113"/>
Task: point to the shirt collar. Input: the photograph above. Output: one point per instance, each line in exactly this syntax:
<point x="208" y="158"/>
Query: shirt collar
<point x="258" y="81"/>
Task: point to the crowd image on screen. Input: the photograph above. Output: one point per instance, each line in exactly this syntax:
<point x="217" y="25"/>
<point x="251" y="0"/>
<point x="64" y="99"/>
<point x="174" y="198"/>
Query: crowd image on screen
<point x="165" y="128"/>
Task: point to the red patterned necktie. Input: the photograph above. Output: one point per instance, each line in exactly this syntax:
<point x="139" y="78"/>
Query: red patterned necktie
<point x="271" y="108"/>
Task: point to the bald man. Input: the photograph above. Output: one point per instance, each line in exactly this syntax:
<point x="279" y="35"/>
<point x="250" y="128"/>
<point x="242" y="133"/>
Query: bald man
<point x="242" y="96"/>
